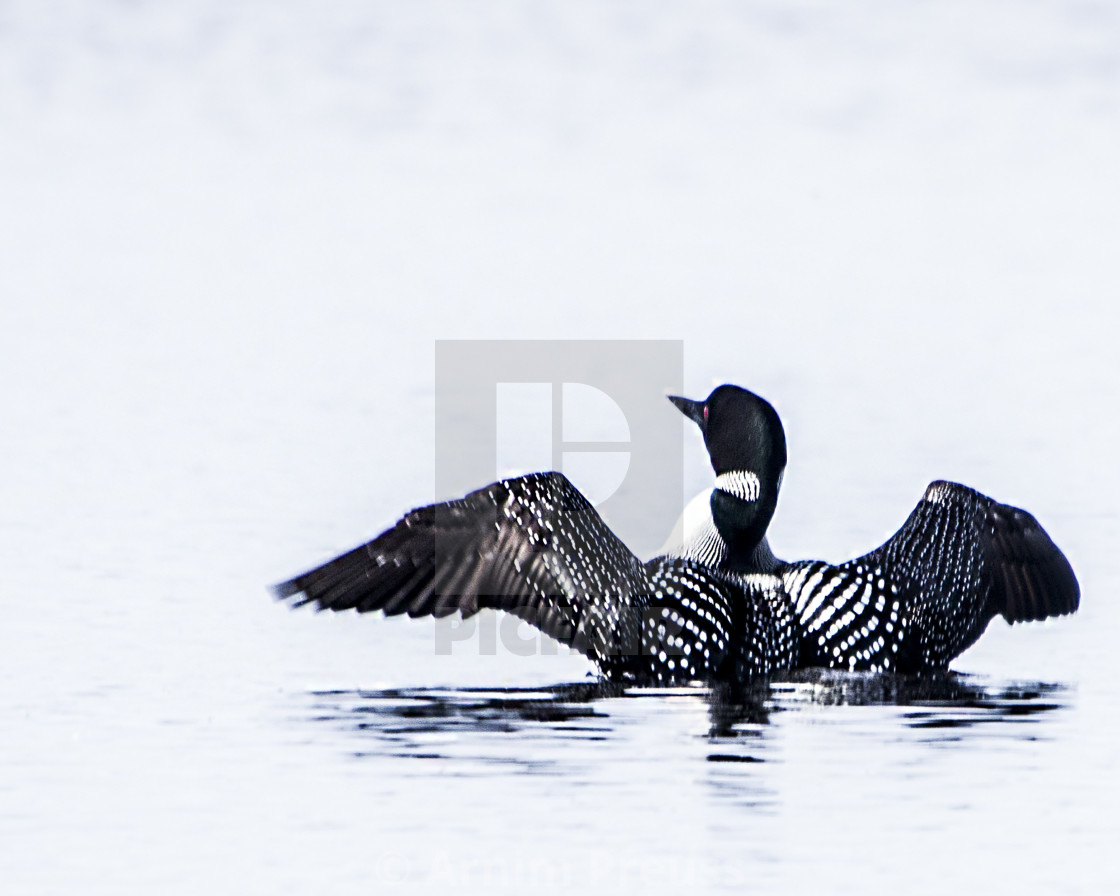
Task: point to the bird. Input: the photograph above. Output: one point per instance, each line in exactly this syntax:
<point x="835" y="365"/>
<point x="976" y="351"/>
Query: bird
<point x="720" y="606"/>
<point x="911" y="605"/>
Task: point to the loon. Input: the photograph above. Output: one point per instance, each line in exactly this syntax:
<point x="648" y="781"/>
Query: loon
<point x="721" y="607"/>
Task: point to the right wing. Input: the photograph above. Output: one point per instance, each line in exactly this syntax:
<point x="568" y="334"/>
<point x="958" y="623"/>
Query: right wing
<point x="958" y="542"/>
<point x="962" y="558"/>
<point x="930" y="590"/>
<point x="532" y="546"/>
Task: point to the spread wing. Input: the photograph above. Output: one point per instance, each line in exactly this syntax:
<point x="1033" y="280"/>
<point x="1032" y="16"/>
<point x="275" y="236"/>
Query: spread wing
<point x="961" y="558"/>
<point x="533" y="546"/>
<point x="929" y="591"/>
<point x="957" y="541"/>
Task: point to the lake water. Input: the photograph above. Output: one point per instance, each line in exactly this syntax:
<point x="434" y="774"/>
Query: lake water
<point x="231" y="236"/>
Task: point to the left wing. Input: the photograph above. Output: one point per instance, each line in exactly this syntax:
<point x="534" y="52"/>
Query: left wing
<point x="532" y="546"/>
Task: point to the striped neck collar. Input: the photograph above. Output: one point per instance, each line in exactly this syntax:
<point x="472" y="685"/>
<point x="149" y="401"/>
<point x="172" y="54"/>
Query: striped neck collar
<point x="742" y="484"/>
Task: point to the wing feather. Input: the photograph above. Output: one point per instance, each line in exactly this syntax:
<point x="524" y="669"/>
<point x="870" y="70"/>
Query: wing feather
<point x="533" y="546"/>
<point x="1032" y="579"/>
<point x="963" y="558"/>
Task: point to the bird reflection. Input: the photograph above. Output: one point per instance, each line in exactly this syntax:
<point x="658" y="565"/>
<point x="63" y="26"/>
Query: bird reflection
<point x="421" y="722"/>
<point x="932" y="700"/>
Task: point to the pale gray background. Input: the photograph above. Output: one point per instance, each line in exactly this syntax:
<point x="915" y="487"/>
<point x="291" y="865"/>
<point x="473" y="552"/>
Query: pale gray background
<point x="230" y="235"/>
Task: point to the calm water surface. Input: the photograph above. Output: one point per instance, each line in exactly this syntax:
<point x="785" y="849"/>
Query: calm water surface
<point x="779" y="784"/>
<point x="231" y="234"/>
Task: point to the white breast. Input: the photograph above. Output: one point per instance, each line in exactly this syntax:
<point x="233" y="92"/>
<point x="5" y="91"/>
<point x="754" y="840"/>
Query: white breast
<point x="693" y="522"/>
<point x="695" y="532"/>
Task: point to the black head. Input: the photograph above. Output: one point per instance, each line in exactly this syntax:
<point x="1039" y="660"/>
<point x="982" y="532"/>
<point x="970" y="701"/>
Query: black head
<point x="741" y="431"/>
<point x="747" y="447"/>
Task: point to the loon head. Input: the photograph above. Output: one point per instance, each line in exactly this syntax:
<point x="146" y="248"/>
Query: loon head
<point x="747" y="448"/>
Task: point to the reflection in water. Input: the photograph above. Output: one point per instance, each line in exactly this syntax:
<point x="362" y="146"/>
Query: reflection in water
<point x="469" y="723"/>
<point x="942" y="702"/>
<point x="475" y="723"/>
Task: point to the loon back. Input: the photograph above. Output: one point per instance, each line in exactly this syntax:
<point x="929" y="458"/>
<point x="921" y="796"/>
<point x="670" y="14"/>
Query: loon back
<point x="535" y="547"/>
<point x="926" y="594"/>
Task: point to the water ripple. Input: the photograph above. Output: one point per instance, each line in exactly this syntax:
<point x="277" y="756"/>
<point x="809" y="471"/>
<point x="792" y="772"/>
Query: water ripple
<point x="490" y="726"/>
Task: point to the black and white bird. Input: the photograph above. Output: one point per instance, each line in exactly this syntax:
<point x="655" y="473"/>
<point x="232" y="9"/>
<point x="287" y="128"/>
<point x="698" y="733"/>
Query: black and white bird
<point x="912" y="604"/>
<point x="721" y="607"/>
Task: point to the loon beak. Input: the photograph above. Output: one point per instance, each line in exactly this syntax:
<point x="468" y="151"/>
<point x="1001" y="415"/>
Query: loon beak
<point x="693" y="410"/>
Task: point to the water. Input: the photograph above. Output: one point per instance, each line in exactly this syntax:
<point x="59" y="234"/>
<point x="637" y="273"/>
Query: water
<point x="230" y="237"/>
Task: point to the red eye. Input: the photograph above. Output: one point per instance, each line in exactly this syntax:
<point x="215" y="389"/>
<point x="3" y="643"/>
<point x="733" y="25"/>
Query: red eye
<point x="705" y="413"/>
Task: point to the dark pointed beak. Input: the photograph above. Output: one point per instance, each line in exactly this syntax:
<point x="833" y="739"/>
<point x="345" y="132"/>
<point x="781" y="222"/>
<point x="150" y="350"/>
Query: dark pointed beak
<point x="693" y="410"/>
